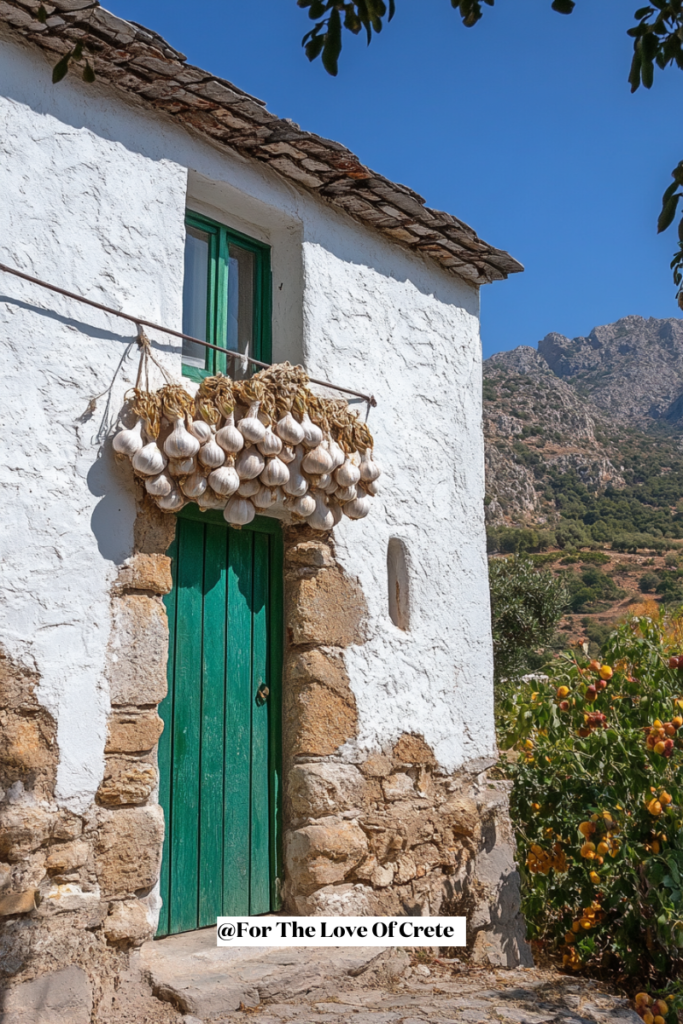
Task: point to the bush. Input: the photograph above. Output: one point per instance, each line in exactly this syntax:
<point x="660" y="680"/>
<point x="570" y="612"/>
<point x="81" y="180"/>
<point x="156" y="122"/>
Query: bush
<point x="599" y="806"/>
<point x="648" y="582"/>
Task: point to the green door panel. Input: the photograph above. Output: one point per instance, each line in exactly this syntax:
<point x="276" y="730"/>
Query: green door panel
<point x="220" y="752"/>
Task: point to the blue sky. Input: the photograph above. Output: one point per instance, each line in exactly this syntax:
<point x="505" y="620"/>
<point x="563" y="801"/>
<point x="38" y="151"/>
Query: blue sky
<point x="524" y="127"/>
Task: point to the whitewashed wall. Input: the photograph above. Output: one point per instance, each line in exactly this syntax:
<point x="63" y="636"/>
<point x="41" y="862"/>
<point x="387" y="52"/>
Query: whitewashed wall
<point x="93" y="193"/>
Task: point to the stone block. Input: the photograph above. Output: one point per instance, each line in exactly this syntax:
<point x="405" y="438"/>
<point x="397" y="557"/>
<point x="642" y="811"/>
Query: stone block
<point x="18" y="902"/>
<point x="67" y="856"/>
<point x="377" y="766"/>
<point x="131" y="732"/>
<point x="338" y="901"/>
<point x="126" y="782"/>
<point x="319" y="706"/>
<point x="412" y="749"/>
<point x="319" y="789"/>
<point x="60" y="997"/>
<point x="67" y="826"/>
<point x="383" y="876"/>
<point x="327" y="608"/>
<point x="406" y="869"/>
<point x="398" y="787"/>
<point x="312" y="553"/>
<point x="320" y="855"/>
<point x="22" y="829"/>
<point x="128" y="923"/>
<point x="460" y="813"/>
<point x="153" y="530"/>
<point x="138" y="650"/>
<point x="146" y="572"/>
<point x="27" y="742"/>
<point x="5" y="875"/>
<point x="128" y="849"/>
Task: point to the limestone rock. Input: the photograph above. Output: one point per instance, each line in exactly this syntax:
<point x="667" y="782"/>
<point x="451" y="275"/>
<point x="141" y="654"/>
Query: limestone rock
<point x="128" y="849"/>
<point x="23" y="828"/>
<point x="313" y="553"/>
<point x="377" y="766"/>
<point x="18" y="903"/>
<point x="138" y="650"/>
<point x="154" y="531"/>
<point x="126" y="782"/>
<point x="398" y="787"/>
<point x="27" y="742"/>
<point x="383" y="875"/>
<point x="131" y="733"/>
<point x="319" y="705"/>
<point x="328" y="609"/>
<point x="128" y="922"/>
<point x="337" y="900"/>
<point x="319" y="789"/>
<point x="67" y="856"/>
<point x="5" y="875"/>
<point x="60" y="997"/>
<point x="146" y="572"/>
<point x="412" y="749"/>
<point x="320" y="855"/>
<point x="406" y="869"/>
<point x="460" y="813"/>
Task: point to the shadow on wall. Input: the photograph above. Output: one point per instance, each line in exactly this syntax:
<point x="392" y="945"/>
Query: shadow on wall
<point x="113" y="517"/>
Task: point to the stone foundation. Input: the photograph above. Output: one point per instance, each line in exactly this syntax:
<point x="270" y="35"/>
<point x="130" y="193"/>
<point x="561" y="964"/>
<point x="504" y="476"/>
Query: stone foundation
<point x="389" y="833"/>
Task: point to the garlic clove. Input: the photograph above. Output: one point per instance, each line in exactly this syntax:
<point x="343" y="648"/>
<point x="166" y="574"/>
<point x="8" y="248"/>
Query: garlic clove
<point x="313" y="435"/>
<point x="347" y="474"/>
<point x="201" y="430"/>
<point x="317" y="461"/>
<point x="264" y="497"/>
<point x="159" y="486"/>
<point x="271" y="443"/>
<point x="287" y="454"/>
<point x="195" y="485"/>
<point x="171" y="502"/>
<point x="249" y="463"/>
<point x="289" y="430"/>
<point x="224" y="480"/>
<point x="182" y="467"/>
<point x="331" y="484"/>
<point x="322" y="518"/>
<point x="180" y="444"/>
<point x="275" y="473"/>
<point x="129" y="442"/>
<point x="372" y="488"/>
<point x="239" y="511"/>
<point x="369" y="470"/>
<point x="229" y="437"/>
<point x="211" y="455"/>
<point x="250" y="426"/>
<point x="150" y="460"/>
<point x="248" y="488"/>
<point x="343" y="494"/>
<point x="358" y="508"/>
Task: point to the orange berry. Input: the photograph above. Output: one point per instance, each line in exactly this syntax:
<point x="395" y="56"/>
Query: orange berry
<point x="586" y="828"/>
<point x="594" y="877"/>
<point x="659" y="747"/>
<point x="648" y="1018"/>
<point x="603" y="848"/>
<point x="659" y="1019"/>
<point x="661" y="1007"/>
<point x="563" y="691"/>
<point x="606" y="672"/>
<point x="677" y="722"/>
<point x="655" y="808"/>
<point x="643" y="999"/>
<point x="665" y="798"/>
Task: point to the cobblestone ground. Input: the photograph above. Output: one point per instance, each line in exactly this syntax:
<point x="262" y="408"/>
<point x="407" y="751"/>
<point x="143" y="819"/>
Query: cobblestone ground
<point x="398" y="990"/>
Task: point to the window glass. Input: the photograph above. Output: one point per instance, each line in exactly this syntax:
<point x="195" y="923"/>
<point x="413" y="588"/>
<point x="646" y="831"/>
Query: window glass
<point x="195" y="295"/>
<point x="240" y="305"/>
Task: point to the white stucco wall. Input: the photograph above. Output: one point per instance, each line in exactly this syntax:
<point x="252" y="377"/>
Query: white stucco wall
<point x="93" y="197"/>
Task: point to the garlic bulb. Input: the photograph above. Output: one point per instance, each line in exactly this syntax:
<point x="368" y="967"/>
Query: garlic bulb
<point x="128" y="442"/>
<point x="346" y="493"/>
<point x="313" y="435"/>
<point x="289" y="430"/>
<point x="372" y="488"/>
<point x="304" y="506"/>
<point x="171" y="502"/>
<point x="248" y="488"/>
<point x="275" y="473"/>
<point x="182" y="467"/>
<point x="328" y="484"/>
<point x="150" y="460"/>
<point x="211" y="455"/>
<point x="209" y="499"/>
<point x="271" y="443"/>
<point x="347" y="474"/>
<point x="180" y="444"/>
<point x="239" y="511"/>
<point x="250" y="426"/>
<point x="336" y="510"/>
<point x="265" y="497"/>
<point x="287" y="454"/>
<point x="337" y="455"/>
<point x="369" y="470"/>
<point x="201" y="430"/>
<point x="249" y="463"/>
<point x="357" y="509"/>
<point x="322" y="518"/>
<point x="297" y="485"/>
<point x="229" y="436"/>
<point x="317" y="461"/>
<point x="159" y="486"/>
<point x="194" y="486"/>
<point x="224" y="480"/>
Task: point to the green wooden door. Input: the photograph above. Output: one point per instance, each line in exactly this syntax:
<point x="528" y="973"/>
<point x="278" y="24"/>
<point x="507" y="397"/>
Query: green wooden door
<point x="219" y="754"/>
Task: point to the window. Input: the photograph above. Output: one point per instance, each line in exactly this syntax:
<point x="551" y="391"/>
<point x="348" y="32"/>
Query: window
<point x="226" y="298"/>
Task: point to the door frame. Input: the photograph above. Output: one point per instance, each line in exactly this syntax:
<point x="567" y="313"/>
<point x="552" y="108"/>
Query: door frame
<point x="274" y="669"/>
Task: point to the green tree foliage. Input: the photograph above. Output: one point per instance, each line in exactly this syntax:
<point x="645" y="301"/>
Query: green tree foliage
<point x="526" y="604"/>
<point x="598" y="802"/>
<point x="657" y="42"/>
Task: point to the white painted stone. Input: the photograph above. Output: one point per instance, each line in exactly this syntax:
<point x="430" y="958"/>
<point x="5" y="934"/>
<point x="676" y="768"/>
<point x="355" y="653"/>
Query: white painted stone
<point x="94" y="193"/>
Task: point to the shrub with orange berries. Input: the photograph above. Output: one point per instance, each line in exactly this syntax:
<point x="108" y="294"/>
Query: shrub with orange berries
<point x="598" y="803"/>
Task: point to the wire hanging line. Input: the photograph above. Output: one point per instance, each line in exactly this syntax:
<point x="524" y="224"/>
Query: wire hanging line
<point x="370" y="399"/>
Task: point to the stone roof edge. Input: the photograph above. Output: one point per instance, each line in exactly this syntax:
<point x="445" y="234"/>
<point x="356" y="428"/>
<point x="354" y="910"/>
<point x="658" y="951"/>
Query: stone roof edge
<point x="141" y="63"/>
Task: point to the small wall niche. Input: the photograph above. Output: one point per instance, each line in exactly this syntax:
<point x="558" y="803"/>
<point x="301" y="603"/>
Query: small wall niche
<point x="399" y="583"/>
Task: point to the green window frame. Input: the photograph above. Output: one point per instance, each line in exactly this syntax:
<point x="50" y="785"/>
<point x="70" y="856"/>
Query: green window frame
<point x="221" y="238"/>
